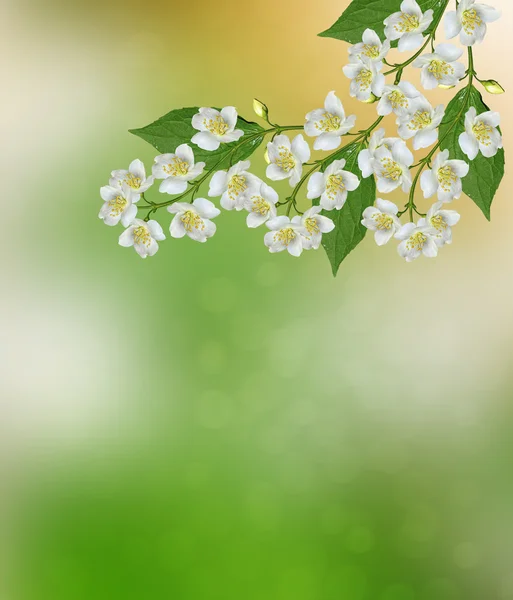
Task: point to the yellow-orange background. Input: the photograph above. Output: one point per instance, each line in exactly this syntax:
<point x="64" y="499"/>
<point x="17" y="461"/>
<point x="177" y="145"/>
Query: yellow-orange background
<point x="217" y="422"/>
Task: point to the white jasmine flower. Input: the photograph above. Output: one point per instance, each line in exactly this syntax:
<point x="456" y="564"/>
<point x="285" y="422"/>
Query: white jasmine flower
<point x="285" y="235"/>
<point x="442" y="222"/>
<point x="416" y="240"/>
<point x="193" y="219"/>
<point x="444" y="178"/>
<point x="440" y="67"/>
<point x="143" y="236"/>
<point x="383" y="220"/>
<point x="261" y="205"/>
<point x="176" y="170"/>
<point x="134" y="177"/>
<point x="287" y="159"/>
<point x="215" y="127"/>
<point x="365" y="78"/>
<point x="328" y="124"/>
<point x="332" y="186"/>
<point x="315" y="225"/>
<point x="408" y="25"/>
<point x="371" y="46"/>
<point x="481" y="134"/>
<point x="397" y="99"/>
<point x="234" y="186"/>
<point x="392" y="168"/>
<point x="469" y="20"/>
<point x="377" y="140"/>
<point x="119" y="205"/>
<point x="422" y="125"/>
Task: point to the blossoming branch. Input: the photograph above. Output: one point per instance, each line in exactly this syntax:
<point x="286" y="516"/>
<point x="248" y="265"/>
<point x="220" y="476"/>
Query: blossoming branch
<point x="462" y="146"/>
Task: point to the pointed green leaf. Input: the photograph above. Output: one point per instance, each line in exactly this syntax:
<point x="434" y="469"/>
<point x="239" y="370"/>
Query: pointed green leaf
<point x="349" y="231"/>
<point x="175" y="128"/>
<point x="370" y="14"/>
<point x="485" y="174"/>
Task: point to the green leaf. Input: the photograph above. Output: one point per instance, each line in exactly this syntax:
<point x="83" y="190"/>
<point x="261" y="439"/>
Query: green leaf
<point x="175" y="128"/>
<point x="485" y="174"/>
<point x="363" y="14"/>
<point x="349" y="231"/>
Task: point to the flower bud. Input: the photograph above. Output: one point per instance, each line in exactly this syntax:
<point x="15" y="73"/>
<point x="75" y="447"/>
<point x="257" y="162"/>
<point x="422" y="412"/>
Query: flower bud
<point x="266" y="157"/>
<point x="492" y="86"/>
<point x="371" y="99"/>
<point x="260" y="109"/>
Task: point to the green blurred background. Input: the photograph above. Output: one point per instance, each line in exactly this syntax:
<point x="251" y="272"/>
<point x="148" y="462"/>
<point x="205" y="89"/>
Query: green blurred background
<point x="216" y="422"/>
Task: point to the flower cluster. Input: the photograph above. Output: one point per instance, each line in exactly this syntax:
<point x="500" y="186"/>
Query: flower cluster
<point x="330" y="181"/>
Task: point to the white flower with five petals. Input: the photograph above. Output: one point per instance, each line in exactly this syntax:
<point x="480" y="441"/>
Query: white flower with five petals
<point x="442" y="222"/>
<point x="215" y="128"/>
<point x="261" y="205"/>
<point x="234" y="186"/>
<point x="416" y="240"/>
<point x="134" y="178"/>
<point x="392" y="168"/>
<point x="119" y="205"/>
<point x="365" y="77"/>
<point x="469" y="21"/>
<point x="422" y="124"/>
<point x="371" y="47"/>
<point x="286" y="158"/>
<point x="398" y="99"/>
<point x="143" y="236"/>
<point x="176" y="170"/>
<point x="328" y="124"/>
<point x="332" y="186"/>
<point x="383" y="220"/>
<point x="440" y="67"/>
<point x="285" y="235"/>
<point x="315" y="225"/>
<point x="444" y="178"/>
<point x="408" y="25"/>
<point x="377" y="140"/>
<point x="481" y="134"/>
<point x="193" y="220"/>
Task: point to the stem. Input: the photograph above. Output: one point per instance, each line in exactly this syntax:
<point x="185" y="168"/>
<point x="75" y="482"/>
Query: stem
<point x="427" y="159"/>
<point x="429" y="39"/>
<point x="194" y="186"/>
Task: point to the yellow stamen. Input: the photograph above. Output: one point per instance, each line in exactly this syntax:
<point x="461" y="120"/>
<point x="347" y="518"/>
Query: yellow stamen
<point x="446" y="177"/>
<point x="191" y="220"/>
<point x="236" y="186"/>
<point x="439" y="68"/>
<point x="334" y="185"/>
<point x="438" y="223"/>
<point x="176" y="168"/>
<point x="142" y="236"/>
<point x="328" y="123"/>
<point x="370" y="51"/>
<point x="132" y="181"/>
<point x="285" y="236"/>
<point x="117" y="205"/>
<point x="470" y="20"/>
<point x="398" y="99"/>
<point x="285" y="160"/>
<point x="364" y="79"/>
<point x="311" y="225"/>
<point x="383" y="221"/>
<point x="407" y="23"/>
<point x="416" y="241"/>
<point x="482" y="131"/>
<point x="390" y="169"/>
<point x="420" y="120"/>
<point x="260" y="206"/>
<point x="217" y="126"/>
